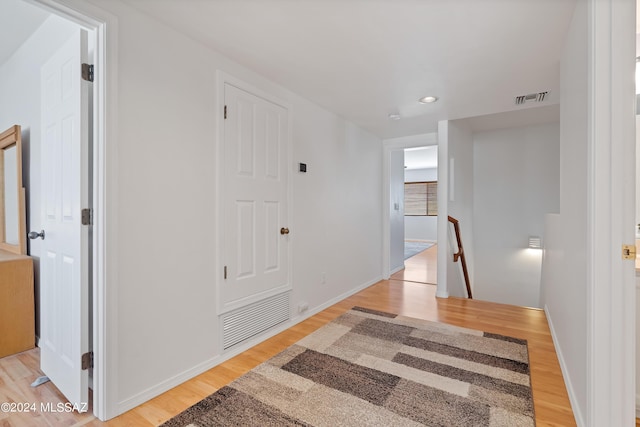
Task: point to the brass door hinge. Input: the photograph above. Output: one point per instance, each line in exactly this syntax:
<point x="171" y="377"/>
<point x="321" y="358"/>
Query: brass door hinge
<point x="628" y="251"/>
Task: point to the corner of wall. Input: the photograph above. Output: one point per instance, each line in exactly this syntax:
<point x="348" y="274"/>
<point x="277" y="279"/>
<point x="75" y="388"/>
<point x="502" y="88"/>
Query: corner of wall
<point x="459" y="163"/>
<point x="565" y="372"/>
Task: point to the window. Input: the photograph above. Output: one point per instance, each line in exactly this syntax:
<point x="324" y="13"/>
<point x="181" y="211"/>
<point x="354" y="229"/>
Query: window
<point x="421" y="198"/>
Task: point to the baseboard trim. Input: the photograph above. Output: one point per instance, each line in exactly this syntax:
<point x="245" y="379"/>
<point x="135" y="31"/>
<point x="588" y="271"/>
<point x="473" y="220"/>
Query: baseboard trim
<point x="335" y="300"/>
<point x="575" y="407"/>
<point x="166" y="385"/>
<point x="395" y="270"/>
<point x="443" y="294"/>
<point x="154" y="391"/>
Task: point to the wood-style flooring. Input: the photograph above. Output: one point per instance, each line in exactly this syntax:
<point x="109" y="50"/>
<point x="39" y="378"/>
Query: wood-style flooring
<point x="420" y="268"/>
<point x="552" y="407"/>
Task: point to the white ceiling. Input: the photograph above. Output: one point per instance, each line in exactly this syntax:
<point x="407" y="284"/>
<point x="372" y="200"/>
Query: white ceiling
<point x="18" y="20"/>
<point x="364" y="59"/>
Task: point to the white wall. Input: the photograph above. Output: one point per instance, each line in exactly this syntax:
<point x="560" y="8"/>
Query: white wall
<point x="397" y="220"/>
<point x="516" y="182"/>
<point x="20" y="95"/>
<point x="638" y="173"/>
<point x="336" y="219"/>
<point x="637" y="147"/>
<point x="421" y="227"/>
<point x="161" y="207"/>
<point x="460" y="202"/>
<point x="637" y="348"/>
<point x="337" y="215"/>
<point x="564" y="275"/>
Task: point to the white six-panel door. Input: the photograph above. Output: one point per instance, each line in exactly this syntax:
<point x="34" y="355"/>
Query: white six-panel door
<point x="63" y="265"/>
<point x="255" y="250"/>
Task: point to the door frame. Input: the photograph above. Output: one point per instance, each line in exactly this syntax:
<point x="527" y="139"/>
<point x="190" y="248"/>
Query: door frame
<point x="610" y="186"/>
<point x="104" y="29"/>
<point x="389" y="145"/>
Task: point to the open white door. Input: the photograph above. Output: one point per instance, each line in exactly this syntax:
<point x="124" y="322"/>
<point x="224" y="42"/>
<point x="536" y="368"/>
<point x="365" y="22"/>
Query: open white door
<point x="64" y="280"/>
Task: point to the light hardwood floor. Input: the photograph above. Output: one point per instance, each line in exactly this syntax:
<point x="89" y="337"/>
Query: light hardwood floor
<point x="420" y="268"/>
<point x="551" y="402"/>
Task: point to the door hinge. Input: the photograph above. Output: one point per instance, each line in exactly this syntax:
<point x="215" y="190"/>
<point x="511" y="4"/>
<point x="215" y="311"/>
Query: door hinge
<point x="87" y="72"/>
<point x="225" y="272"/>
<point x="225" y="112"/>
<point x="87" y="217"/>
<point x="628" y="251"/>
<point x="87" y="361"/>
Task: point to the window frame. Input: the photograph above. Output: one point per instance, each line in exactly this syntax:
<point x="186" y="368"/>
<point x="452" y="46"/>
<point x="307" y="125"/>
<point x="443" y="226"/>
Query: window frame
<point x="430" y="203"/>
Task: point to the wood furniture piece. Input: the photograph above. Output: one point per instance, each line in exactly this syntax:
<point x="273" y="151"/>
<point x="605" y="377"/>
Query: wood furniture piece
<point x="13" y="221"/>
<point x="17" y="311"/>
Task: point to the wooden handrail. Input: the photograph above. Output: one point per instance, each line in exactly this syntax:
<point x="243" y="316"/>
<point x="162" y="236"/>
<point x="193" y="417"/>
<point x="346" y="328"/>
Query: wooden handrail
<point x="460" y="255"/>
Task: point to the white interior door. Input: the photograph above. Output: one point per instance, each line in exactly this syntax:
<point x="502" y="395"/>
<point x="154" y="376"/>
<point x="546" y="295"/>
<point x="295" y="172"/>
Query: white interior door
<point x="64" y="261"/>
<point x="256" y="229"/>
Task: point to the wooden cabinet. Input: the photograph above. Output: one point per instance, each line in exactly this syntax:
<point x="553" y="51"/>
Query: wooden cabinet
<point x="17" y="318"/>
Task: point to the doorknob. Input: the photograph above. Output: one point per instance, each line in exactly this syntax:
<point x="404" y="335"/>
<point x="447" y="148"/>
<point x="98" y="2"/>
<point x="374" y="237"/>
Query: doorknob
<point x="33" y="235"/>
<point x="284" y="230"/>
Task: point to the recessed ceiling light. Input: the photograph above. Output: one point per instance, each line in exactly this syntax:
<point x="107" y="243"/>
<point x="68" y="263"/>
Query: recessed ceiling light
<point x="394" y="116"/>
<point x="428" y="99"/>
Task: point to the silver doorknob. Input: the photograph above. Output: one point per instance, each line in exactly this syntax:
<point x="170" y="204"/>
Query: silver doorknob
<point x="284" y="230"/>
<point x="34" y="235"/>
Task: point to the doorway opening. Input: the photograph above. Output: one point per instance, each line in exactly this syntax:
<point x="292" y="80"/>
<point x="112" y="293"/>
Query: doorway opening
<point x="411" y="209"/>
<point x="420" y="209"/>
<point x="33" y="80"/>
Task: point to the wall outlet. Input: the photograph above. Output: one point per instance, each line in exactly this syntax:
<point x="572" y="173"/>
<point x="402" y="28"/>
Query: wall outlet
<point x="302" y="307"/>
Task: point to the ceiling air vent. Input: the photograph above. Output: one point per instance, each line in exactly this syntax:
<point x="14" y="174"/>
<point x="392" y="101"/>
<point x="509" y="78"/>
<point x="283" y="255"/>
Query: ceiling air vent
<point x="532" y="97"/>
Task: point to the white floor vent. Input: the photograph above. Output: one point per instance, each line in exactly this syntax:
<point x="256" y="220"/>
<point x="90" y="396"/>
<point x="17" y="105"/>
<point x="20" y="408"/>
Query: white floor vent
<point x="246" y="322"/>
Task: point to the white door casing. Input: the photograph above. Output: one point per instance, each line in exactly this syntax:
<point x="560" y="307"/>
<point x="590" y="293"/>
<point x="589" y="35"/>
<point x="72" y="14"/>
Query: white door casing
<point x="255" y="253"/>
<point x="64" y="263"/>
<point x="610" y="213"/>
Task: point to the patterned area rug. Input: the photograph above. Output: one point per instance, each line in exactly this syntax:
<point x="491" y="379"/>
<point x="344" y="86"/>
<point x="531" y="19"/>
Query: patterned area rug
<point x="414" y="248"/>
<point x="369" y="368"/>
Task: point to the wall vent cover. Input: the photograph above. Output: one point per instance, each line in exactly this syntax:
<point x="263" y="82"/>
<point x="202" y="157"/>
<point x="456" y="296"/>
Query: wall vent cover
<point x="532" y="97"/>
<point x="250" y="320"/>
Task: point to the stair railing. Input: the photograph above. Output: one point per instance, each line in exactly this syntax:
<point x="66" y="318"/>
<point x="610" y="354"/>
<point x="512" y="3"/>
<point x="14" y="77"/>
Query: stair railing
<point x="460" y="255"/>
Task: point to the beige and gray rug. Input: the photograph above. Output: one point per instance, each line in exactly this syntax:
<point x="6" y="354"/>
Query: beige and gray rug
<point x="369" y="368"/>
